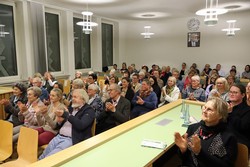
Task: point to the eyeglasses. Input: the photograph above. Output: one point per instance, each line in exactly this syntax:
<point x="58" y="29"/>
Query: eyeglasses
<point x="233" y="92"/>
<point x="204" y="108"/>
<point x="109" y="90"/>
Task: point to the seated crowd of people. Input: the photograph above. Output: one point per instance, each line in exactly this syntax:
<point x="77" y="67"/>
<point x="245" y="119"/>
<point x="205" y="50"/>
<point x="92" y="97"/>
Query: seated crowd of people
<point x="64" y="120"/>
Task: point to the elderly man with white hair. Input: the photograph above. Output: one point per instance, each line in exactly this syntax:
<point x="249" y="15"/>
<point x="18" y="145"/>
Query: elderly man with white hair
<point x="116" y="110"/>
<point x="75" y="124"/>
<point x="194" y="91"/>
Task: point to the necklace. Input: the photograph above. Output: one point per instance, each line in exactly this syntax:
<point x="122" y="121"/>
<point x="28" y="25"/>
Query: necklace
<point x="204" y="137"/>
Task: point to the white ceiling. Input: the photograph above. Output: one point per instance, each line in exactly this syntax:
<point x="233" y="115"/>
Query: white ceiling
<point x="134" y="9"/>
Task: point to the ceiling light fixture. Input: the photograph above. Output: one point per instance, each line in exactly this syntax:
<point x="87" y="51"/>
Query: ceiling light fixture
<point x="211" y="12"/>
<point x="87" y="24"/>
<point x="231" y="28"/>
<point x="147" y="34"/>
<point x="2" y="32"/>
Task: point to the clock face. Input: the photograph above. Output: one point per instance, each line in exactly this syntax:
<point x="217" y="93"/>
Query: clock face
<point x="193" y="24"/>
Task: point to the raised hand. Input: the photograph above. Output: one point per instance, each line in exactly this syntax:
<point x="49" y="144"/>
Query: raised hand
<point x="59" y="113"/>
<point x="110" y="107"/>
<point x="59" y="119"/>
<point x="22" y="107"/>
<point x="4" y="102"/>
<point x="139" y="100"/>
<point x="181" y="142"/>
<point x="43" y="109"/>
<point x="195" y="144"/>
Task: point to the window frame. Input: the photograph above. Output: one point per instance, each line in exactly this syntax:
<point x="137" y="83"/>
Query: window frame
<point x="79" y="16"/>
<point x="62" y="55"/>
<point x="113" y="38"/>
<point x="10" y="79"/>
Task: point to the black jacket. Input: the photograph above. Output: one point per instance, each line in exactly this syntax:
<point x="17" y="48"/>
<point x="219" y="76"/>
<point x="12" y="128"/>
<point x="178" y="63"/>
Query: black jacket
<point x="81" y="123"/>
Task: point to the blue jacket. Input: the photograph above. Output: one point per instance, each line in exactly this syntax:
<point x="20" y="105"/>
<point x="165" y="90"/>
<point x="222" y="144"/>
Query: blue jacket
<point x="150" y="103"/>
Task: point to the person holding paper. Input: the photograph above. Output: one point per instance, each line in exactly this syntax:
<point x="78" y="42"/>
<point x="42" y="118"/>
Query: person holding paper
<point x="209" y="142"/>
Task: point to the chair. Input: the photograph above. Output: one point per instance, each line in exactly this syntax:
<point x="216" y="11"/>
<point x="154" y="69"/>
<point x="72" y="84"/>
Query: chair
<point x="66" y="86"/>
<point x="6" y="134"/>
<point x="27" y="147"/>
<point x="101" y="83"/>
<point x="242" y="157"/>
<point x="93" y="128"/>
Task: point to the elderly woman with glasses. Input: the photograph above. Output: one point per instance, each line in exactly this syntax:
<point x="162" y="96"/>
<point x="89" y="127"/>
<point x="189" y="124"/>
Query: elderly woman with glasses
<point x="239" y="114"/>
<point x="208" y="143"/>
<point x="28" y="111"/>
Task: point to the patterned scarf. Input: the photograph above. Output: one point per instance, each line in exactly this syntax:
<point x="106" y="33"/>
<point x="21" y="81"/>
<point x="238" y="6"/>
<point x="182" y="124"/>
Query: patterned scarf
<point x="145" y="93"/>
<point x="169" y="89"/>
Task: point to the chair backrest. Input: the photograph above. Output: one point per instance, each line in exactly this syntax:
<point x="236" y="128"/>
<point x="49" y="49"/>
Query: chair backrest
<point x="66" y="86"/>
<point x="101" y="83"/>
<point x="6" y="134"/>
<point x="93" y="128"/>
<point x="242" y="157"/>
<point x="27" y="146"/>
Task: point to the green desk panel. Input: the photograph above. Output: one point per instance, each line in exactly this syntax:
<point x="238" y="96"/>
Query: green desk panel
<point x="126" y="151"/>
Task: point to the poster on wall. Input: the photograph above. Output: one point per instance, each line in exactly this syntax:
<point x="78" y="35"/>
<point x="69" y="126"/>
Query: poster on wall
<point x="193" y="39"/>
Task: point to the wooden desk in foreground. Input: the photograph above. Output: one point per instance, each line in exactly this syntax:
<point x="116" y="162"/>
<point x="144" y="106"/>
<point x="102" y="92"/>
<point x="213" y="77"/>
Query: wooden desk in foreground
<point x="5" y="93"/>
<point x="121" y="147"/>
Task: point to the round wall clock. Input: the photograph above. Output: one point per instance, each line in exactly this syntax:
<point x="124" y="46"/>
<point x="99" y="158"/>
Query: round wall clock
<point x="193" y="24"/>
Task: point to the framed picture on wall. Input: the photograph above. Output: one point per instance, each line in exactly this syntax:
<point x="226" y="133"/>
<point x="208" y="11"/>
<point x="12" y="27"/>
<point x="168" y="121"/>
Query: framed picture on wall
<point x="193" y="39"/>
